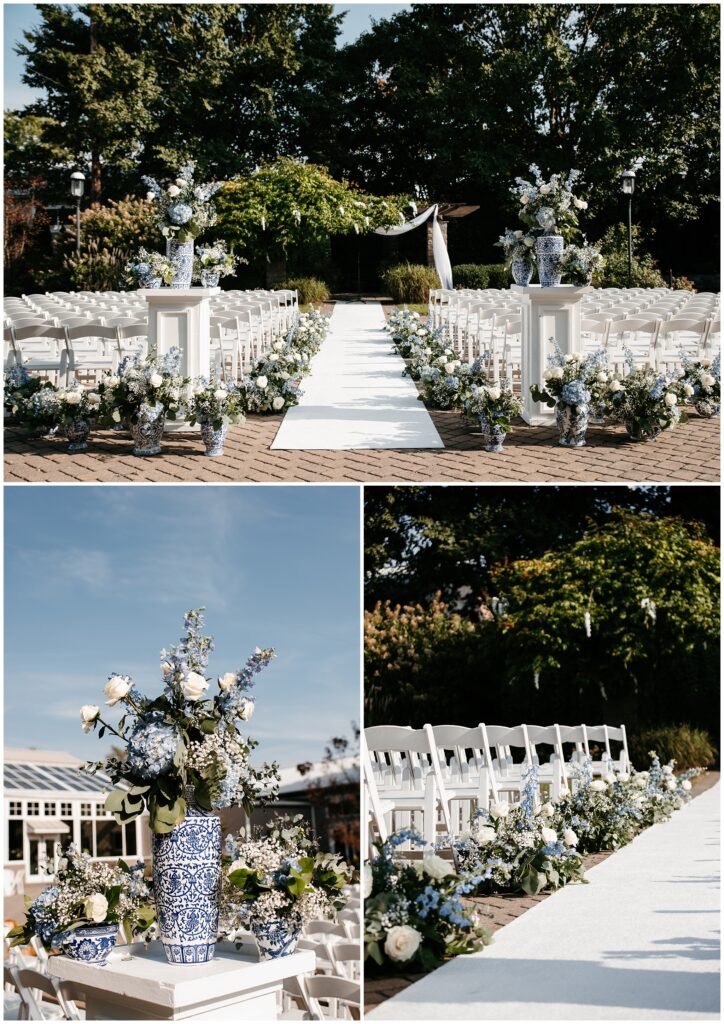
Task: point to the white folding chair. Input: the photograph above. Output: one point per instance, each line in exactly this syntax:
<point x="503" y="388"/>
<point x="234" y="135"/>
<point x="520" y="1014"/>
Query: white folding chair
<point x="399" y="761"/>
<point x="462" y="779"/>
<point x="551" y="773"/>
<point x="506" y="772"/>
<point x="32" y="987"/>
<point x="330" y="998"/>
<point x="346" y="960"/>
<point x="92" y="348"/>
<point x="40" y="349"/>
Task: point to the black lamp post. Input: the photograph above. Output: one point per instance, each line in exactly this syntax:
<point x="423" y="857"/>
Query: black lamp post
<point x="77" y="186"/>
<point x="628" y="181"/>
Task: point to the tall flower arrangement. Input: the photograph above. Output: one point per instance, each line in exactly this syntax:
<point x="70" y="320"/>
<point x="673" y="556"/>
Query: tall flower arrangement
<point x="182" y="745"/>
<point x="549" y="205"/>
<point x="184" y="208"/>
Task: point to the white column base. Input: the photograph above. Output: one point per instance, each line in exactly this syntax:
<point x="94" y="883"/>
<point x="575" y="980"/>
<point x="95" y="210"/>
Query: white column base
<point x="546" y="313"/>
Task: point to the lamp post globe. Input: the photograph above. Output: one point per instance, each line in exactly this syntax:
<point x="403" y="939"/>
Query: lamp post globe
<point x="77" y="187"/>
<point x="628" y="182"/>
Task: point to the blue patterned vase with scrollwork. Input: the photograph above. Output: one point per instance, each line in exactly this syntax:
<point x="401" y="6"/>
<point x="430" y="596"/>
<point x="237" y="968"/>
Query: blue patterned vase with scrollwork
<point x="92" y="944"/>
<point x="548" y="251"/>
<point x="77" y="432"/>
<point x="183" y="254"/>
<point x="213" y="439"/>
<point x="276" y="937"/>
<point x="572" y="423"/>
<point x="522" y="272"/>
<point x="210" y="279"/>
<point x="147" y="429"/>
<point x="706" y="407"/>
<point x="493" y="435"/>
<point x="186" y="883"/>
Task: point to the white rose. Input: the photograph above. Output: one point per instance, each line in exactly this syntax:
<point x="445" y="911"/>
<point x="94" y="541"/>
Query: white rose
<point x="530" y="242"/>
<point x="484" y="835"/>
<point x="678" y="803"/>
<point x="94" y="399"/>
<point x="494" y="393"/>
<point x="173" y="191"/>
<point x="671" y="785"/>
<point x="573" y="357"/>
<point x="156" y="380"/>
<point x="670" y="399"/>
<point x="598" y="786"/>
<point x="569" y="837"/>
<point x="556" y="373"/>
<point x="686" y="785"/>
<point x="88" y="715"/>
<point x="273" y="357"/>
<point x="518" y="234"/>
<point x="707" y="380"/>
<point x="435" y="866"/>
<point x="602" y="378"/>
<point x="245" y="710"/>
<point x="261" y="382"/>
<point x="150" y="196"/>
<point x="116" y="416"/>
<point x="367" y="882"/>
<point x="524" y="199"/>
<point x="116" y="689"/>
<point x="624" y="777"/>
<point x="402" y="942"/>
<point x="278" y="402"/>
<point x="180" y="182"/>
<point x="580" y="204"/>
<point x="96" y="907"/>
<point x="688" y="390"/>
<point x="549" y="835"/>
<point x="284" y="375"/>
<point x="615" y="385"/>
<point x="547" y="810"/>
<point x="640" y="782"/>
<point x="667" y="769"/>
<point x="73" y="397"/>
<point x="220" y="394"/>
<point x="610" y="778"/>
<point x="227" y="680"/>
<point x="278" y="345"/>
<point x="449" y="367"/>
<point x="544" y="190"/>
<point x="193" y="686"/>
<point x="498" y="811"/>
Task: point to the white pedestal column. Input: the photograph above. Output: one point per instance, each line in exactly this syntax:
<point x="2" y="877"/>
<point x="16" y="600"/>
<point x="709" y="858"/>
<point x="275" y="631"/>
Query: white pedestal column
<point x="138" y="984"/>
<point x="179" y="318"/>
<point x="546" y="313"/>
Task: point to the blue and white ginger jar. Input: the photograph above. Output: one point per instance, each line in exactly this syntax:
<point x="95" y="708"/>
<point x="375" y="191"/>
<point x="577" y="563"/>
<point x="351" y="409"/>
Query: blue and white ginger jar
<point x="183" y="254"/>
<point x="548" y="251"/>
<point x="276" y="937"/>
<point x="92" y="944"/>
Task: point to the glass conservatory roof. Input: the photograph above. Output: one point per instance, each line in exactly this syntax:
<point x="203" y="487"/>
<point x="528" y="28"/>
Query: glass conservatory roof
<point x="60" y="778"/>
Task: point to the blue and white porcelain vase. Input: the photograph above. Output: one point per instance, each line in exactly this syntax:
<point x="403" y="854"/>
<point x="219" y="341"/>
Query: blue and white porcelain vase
<point x="706" y="407"/>
<point x="522" y="272"/>
<point x="147" y="429"/>
<point x="209" y="279"/>
<point x="213" y="439"/>
<point x="183" y="254"/>
<point x="548" y="250"/>
<point x="639" y="432"/>
<point x="572" y="423"/>
<point x="186" y="884"/>
<point x="493" y="435"/>
<point x="92" y="944"/>
<point x="276" y="938"/>
<point x="77" y="432"/>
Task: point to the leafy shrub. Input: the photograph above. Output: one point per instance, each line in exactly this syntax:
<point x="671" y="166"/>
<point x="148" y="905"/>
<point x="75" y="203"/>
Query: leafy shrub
<point x="481" y="275"/>
<point x="690" y="748"/>
<point x="614" y="248"/>
<point x="310" y="289"/>
<point x="96" y="269"/>
<point x="683" y="282"/>
<point x="410" y="282"/>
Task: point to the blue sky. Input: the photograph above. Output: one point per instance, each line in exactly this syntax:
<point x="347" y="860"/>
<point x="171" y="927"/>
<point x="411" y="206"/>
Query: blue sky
<point x="18" y="17"/>
<point x="97" y="580"/>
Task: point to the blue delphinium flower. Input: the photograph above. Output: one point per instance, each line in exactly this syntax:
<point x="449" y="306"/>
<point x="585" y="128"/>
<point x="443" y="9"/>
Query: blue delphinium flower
<point x="575" y="392"/>
<point x="151" y="747"/>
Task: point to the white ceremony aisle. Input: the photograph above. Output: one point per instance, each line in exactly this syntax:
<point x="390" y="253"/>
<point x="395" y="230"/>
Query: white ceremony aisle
<point x="640" y="942"/>
<point x="356" y="396"/>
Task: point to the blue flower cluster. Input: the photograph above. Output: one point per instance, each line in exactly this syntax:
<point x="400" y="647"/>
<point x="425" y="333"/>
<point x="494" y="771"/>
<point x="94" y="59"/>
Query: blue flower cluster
<point x="575" y="392"/>
<point x="530" y="792"/>
<point x="151" y="747"/>
<point x="43" y="911"/>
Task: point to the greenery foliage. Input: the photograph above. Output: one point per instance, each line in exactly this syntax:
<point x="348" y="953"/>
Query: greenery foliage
<point x="481" y="275"/>
<point x="689" y="747"/>
<point x="409" y="282"/>
<point x="310" y="290"/>
<point x="614" y="248"/>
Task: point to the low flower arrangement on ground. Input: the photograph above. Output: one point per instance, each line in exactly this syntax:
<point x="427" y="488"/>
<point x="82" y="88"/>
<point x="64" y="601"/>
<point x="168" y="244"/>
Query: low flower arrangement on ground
<point x="143" y="383"/>
<point x="700" y="384"/>
<point x="278" y="874"/>
<point x="222" y="404"/>
<point x="645" y="401"/>
<point x="414" y="911"/>
<point x="87" y="892"/>
<point x="273" y="384"/>
<point x="182" y="746"/>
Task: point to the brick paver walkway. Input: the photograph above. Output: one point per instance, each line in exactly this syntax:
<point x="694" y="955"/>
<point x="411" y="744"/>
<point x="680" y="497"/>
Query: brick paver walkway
<point x="690" y="453"/>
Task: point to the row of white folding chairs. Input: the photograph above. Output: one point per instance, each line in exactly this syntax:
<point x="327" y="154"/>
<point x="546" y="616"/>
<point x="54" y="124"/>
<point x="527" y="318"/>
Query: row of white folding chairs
<point x="427" y="772"/>
<point x="60" y="352"/>
<point x="336" y="945"/>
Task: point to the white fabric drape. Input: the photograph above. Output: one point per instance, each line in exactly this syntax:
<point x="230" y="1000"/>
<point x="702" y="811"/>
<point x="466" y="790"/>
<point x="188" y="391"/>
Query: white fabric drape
<point x="439" y="249"/>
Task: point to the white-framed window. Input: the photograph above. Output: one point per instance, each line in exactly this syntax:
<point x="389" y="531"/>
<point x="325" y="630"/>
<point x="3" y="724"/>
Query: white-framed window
<point x="86" y="811"/>
<point x="15" y="808"/>
<point x="33" y="807"/>
<point x="66" y="810"/>
<point x="49" y="809"/>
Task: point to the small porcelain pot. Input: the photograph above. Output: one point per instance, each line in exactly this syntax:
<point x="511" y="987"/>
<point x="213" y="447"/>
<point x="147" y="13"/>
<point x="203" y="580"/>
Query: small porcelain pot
<point x="209" y="279"/>
<point x="77" y="433"/>
<point x="522" y="272"/>
<point x="276" y="938"/>
<point x="707" y="407"/>
<point x="493" y="435"/>
<point x="638" y="433"/>
<point x="147" y="430"/>
<point x="213" y="439"/>
<point x="92" y="944"/>
<point x="572" y="423"/>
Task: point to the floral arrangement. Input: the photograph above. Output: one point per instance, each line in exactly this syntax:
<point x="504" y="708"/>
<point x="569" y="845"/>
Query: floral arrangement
<point x="181" y="746"/>
<point x="645" y="400"/>
<point x="446" y="379"/>
<point x="18" y="390"/>
<point x="407" y="331"/>
<point x="517" y="847"/>
<point x="517" y="246"/>
<point x="495" y="401"/>
<point x="664" y="790"/>
<point x="184" y="209"/>
<point x="75" y="403"/>
<point x="272" y="386"/>
<point x="278" y="873"/>
<point x="566" y="379"/>
<point x="87" y="892"/>
<point x="580" y="263"/>
<point x="700" y="381"/>
<point x="147" y="266"/>
<point x="414" y="910"/>
<point x="550" y="206"/>
<point x="215" y="259"/>
<point x="223" y="404"/>
<point x="605" y="813"/>
<point x="143" y="381"/>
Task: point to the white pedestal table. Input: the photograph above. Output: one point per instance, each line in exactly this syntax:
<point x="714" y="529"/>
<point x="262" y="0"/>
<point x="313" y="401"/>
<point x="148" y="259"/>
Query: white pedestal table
<point x="138" y="984"/>
<point x="546" y="313"/>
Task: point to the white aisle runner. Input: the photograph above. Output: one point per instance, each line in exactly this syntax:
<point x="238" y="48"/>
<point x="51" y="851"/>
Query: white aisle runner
<point x="356" y="396"/>
<point x="640" y="942"/>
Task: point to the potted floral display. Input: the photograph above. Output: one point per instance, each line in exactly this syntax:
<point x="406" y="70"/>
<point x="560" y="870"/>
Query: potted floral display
<point x="495" y="406"/>
<point x="407" y="329"/>
<point x="277" y="880"/>
<point x="579" y="263"/>
<point x="551" y="207"/>
<point x="185" y="211"/>
<point x="415" y="914"/>
<point x="76" y="409"/>
<point x="213" y="262"/>
<point x="19" y="388"/>
<point x="185" y="758"/>
<point x="215" y="406"/>
<point x="566" y="389"/>
<point x="150" y="270"/>
<point x="88" y="901"/>
<point x="142" y="394"/>
<point x="271" y="386"/>
<point x="700" y="385"/>
<point x="519" y="249"/>
<point x="645" y="401"/>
